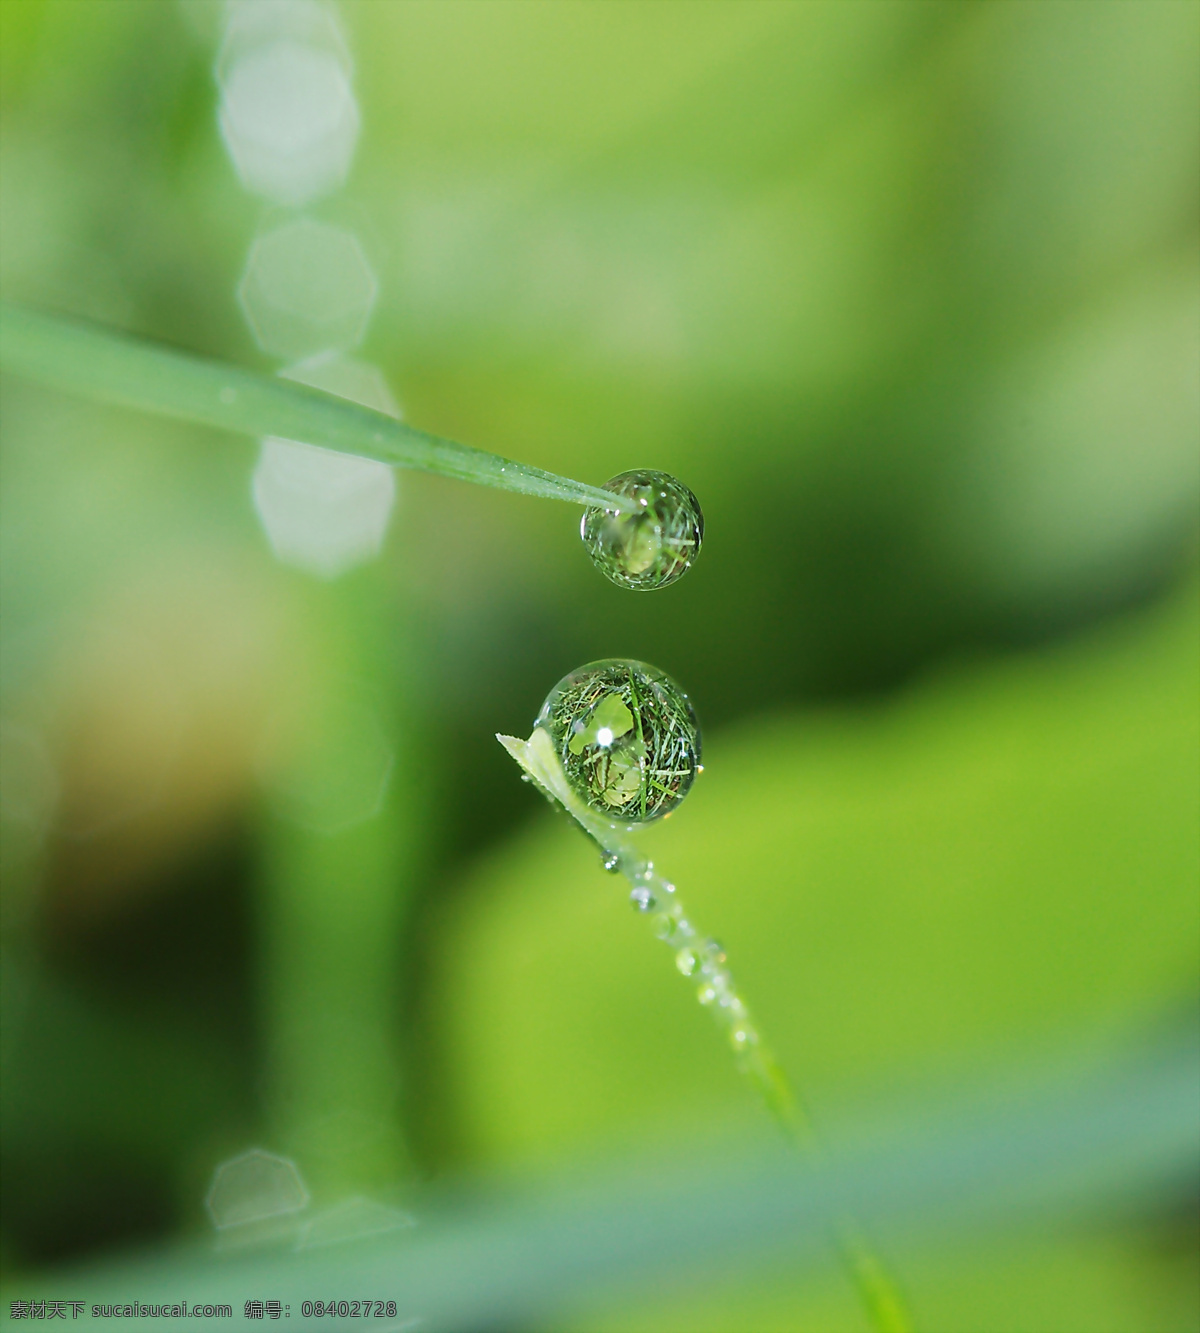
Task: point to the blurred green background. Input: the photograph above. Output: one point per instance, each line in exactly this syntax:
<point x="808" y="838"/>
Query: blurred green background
<point x="907" y="294"/>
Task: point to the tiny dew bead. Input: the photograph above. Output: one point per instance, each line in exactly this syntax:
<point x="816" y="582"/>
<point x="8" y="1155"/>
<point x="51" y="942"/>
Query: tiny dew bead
<point x="656" y="543"/>
<point x="626" y="736"/>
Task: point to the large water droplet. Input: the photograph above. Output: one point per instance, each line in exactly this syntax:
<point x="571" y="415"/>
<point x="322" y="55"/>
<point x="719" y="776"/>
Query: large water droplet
<point x="626" y="736"/>
<point x="656" y="543"/>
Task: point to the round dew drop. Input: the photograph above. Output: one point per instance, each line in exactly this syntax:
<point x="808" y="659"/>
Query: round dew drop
<point x="654" y="545"/>
<point x="627" y="738"/>
<point x="642" y="899"/>
<point x="687" y="962"/>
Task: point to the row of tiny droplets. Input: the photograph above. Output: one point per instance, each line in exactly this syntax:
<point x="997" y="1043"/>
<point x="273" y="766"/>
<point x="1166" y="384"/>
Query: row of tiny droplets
<point x="700" y="959"/>
<point x="290" y="123"/>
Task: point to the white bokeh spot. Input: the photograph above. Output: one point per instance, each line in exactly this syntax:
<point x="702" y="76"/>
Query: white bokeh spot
<point x="326" y="512"/>
<point x="253" y="1187"/>
<point x="252" y="24"/>
<point x="288" y="117"/>
<point x="308" y="288"/>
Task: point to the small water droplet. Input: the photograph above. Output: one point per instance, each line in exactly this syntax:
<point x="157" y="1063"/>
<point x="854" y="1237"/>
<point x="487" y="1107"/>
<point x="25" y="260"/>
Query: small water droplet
<point x="627" y="738"/>
<point x="721" y="982"/>
<point x="611" y="862"/>
<point x="642" y="899"/>
<point x="685" y="932"/>
<point x="687" y="962"/>
<point x="706" y="994"/>
<point x="741" y="1038"/>
<point x="654" y="545"/>
<point x="713" y="952"/>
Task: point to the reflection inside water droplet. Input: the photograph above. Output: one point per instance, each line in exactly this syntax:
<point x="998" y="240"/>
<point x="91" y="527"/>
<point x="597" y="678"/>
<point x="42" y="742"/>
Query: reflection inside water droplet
<point x="656" y="543"/>
<point x="627" y="739"/>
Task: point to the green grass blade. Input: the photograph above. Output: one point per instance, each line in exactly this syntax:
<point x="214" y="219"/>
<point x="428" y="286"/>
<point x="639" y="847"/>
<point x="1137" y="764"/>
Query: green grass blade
<point x="678" y="930"/>
<point x="107" y="366"/>
<point x="519" y="1258"/>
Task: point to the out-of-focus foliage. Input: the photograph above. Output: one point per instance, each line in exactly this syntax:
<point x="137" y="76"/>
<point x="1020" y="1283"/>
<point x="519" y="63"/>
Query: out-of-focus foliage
<point x="505" y="1257"/>
<point x="906" y="292"/>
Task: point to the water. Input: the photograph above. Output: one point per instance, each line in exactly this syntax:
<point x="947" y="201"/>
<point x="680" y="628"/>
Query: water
<point x="656" y="543"/>
<point x="576" y="727"/>
<point x="627" y="738"/>
<point x="687" y="961"/>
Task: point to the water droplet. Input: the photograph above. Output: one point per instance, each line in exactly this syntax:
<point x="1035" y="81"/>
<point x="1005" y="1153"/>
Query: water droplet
<point x="741" y="1038"/>
<point x="687" y="961"/>
<point x="611" y="862"/>
<point x="713" y="952"/>
<point x="721" y="984"/>
<point x="706" y="994"/>
<point x="654" y="545"/>
<point x="682" y="932"/>
<point x="627" y="738"/>
<point x="642" y="899"/>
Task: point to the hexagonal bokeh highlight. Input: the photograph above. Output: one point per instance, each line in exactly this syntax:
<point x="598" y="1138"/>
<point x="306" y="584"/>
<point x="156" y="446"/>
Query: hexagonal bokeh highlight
<point x="253" y="1187"/>
<point x="325" y="512"/>
<point x="307" y="289"/>
<point x="249" y="25"/>
<point x="287" y="111"/>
